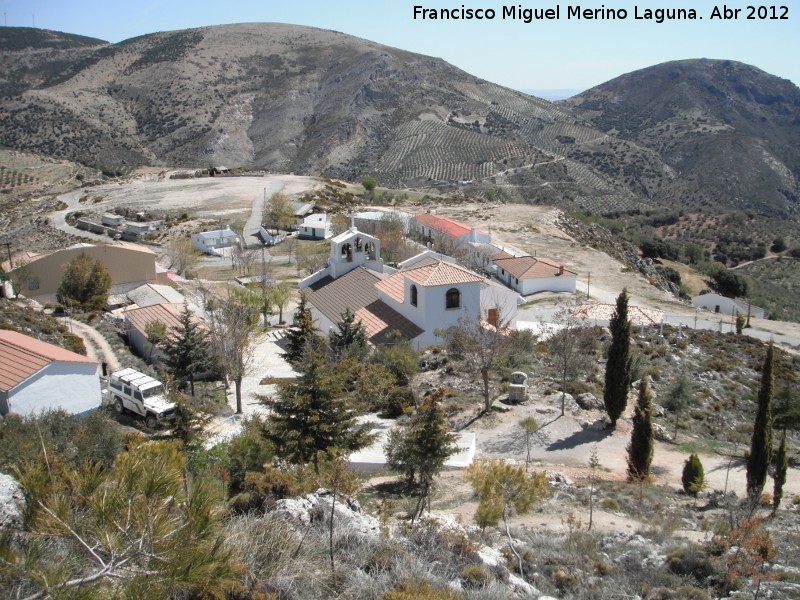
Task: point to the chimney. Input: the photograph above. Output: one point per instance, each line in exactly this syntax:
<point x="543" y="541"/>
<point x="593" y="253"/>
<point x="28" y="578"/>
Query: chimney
<point x="560" y="269"/>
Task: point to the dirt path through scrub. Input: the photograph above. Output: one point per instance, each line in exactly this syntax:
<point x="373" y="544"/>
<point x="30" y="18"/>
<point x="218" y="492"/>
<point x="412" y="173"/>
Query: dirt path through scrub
<point x="97" y="347"/>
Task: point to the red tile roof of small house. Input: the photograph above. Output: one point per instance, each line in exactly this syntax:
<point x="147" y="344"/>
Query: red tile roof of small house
<point x="448" y="227"/>
<point x="22" y="356"/>
<point x="529" y="267"/>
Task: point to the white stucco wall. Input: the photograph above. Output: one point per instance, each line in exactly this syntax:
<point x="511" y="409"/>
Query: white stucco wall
<point x="561" y="283"/>
<point x="496" y="296"/>
<point x="431" y="312"/>
<point x="727" y="306"/>
<point x="73" y="387"/>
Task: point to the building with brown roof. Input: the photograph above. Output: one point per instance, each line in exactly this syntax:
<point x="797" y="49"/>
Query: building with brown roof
<point x="446" y="235"/>
<point x="429" y="293"/>
<point x="531" y="275"/>
<point x="129" y="265"/>
<point x="36" y="376"/>
<point x="137" y="320"/>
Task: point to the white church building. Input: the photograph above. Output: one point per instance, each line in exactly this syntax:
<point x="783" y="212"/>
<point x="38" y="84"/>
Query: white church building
<point x="428" y="294"/>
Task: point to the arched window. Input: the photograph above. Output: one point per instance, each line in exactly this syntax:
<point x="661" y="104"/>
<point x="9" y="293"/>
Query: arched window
<point x="413" y="295"/>
<point x="453" y="298"/>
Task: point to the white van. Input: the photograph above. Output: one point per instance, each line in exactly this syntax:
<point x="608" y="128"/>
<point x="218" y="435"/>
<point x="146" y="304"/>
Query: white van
<point x="131" y="390"/>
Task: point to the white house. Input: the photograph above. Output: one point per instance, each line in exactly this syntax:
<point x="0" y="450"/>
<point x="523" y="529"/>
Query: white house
<point x="112" y="219"/>
<point x="425" y="295"/>
<point x="315" y="227"/>
<point x="445" y="234"/>
<point x="530" y="275"/>
<point x="727" y="306"/>
<point x="37" y="376"/>
<point x="214" y="242"/>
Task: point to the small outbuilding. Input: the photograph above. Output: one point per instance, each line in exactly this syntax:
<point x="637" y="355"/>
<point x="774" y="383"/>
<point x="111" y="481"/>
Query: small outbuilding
<point x="36" y="376"/>
<point x="213" y="242"/>
<point x="531" y="275"/>
<point x="727" y="306"/>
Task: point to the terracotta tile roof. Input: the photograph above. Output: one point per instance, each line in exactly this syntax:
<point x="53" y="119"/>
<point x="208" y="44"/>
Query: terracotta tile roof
<point x="381" y="320"/>
<point x="357" y="291"/>
<point x="168" y="314"/>
<point x="20" y="259"/>
<point x="426" y="273"/>
<point x="132" y="246"/>
<point x="439" y="273"/>
<point x="443" y="225"/>
<point x="528" y="267"/>
<point x="22" y="356"/>
<point x="393" y="286"/>
<point x="604" y="312"/>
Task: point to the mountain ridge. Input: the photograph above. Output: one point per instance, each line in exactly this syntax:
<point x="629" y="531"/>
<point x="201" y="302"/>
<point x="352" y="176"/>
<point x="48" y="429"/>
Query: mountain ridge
<point x="289" y="98"/>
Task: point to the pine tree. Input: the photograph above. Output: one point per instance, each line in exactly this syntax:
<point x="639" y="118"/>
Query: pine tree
<point x="85" y="284"/>
<point x="678" y="397"/>
<point x="302" y="333"/>
<point x="693" y="477"/>
<point x="421" y="450"/>
<point x="349" y="340"/>
<point x="781" y="466"/>
<point x="761" y="442"/>
<point x="310" y="416"/>
<point x="187" y="352"/>
<point x="503" y="489"/>
<point x="640" y="450"/>
<point x="618" y="366"/>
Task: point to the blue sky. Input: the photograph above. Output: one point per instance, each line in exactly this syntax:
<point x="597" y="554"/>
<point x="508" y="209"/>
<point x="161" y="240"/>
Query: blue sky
<point x="554" y="54"/>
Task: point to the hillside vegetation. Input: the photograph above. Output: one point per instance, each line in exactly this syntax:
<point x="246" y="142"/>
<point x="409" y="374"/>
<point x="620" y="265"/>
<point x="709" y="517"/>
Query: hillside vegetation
<point x="297" y="99"/>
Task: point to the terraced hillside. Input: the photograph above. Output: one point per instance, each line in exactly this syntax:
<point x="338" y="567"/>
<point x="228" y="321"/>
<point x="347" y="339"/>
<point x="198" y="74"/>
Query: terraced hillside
<point x="288" y="99"/>
<point x="722" y="134"/>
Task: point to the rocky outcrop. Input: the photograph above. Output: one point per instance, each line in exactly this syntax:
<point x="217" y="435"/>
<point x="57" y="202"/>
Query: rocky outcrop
<point x="12" y="503"/>
<point x="313" y="507"/>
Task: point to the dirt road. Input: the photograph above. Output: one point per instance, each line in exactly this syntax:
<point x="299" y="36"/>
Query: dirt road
<point x="97" y="347"/>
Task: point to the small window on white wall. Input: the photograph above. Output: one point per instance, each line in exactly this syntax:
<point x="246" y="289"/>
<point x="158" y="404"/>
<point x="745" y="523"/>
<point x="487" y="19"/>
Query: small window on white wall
<point x="453" y="298"/>
<point x="413" y="295"/>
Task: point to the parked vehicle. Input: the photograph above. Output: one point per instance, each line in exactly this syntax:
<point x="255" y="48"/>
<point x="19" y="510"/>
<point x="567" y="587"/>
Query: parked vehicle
<point x="131" y="390"/>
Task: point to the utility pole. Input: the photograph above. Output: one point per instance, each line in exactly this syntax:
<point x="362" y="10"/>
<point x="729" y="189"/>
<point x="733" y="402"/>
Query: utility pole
<point x="749" y="302"/>
<point x="8" y="249"/>
<point x="588" y="282"/>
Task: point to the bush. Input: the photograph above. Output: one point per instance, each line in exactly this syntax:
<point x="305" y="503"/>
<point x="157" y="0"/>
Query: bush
<point x="420" y="590"/>
<point x="693" y="477"/>
<point x="690" y="561"/>
<point x="475" y="576"/>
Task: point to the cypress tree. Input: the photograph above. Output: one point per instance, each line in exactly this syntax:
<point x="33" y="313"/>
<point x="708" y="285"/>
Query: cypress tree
<point x="640" y="449"/>
<point x="761" y="442"/>
<point x="781" y="466"/>
<point x="618" y="366"/>
<point x="693" y="477"/>
<point x="302" y="333"/>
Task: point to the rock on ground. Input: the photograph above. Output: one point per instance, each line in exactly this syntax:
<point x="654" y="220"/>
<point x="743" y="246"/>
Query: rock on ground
<point x="12" y="503"/>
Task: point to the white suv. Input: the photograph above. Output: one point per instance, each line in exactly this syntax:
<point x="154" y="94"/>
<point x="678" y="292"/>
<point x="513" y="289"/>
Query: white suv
<point x="129" y="389"/>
